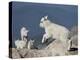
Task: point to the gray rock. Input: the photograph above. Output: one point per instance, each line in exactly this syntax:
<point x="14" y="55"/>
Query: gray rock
<point x="23" y="52"/>
<point x="35" y="53"/>
<point x="55" y="48"/>
<point x="14" y="53"/>
<point x="39" y="53"/>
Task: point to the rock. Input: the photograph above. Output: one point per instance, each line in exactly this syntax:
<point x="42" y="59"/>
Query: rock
<point x="14" y="53"/>
<point x="38" y="53"/>
<point x="57" y="48"/>
<point x="23" y="52"/>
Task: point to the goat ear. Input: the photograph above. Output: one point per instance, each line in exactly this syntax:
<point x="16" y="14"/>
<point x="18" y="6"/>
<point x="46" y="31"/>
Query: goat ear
<point x="45" y="17"/>
<point x="42" y="19"/>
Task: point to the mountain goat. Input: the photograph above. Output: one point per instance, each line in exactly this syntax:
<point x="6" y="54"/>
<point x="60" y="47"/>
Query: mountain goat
<point x="55" y="31"/>
<point x="24" y="33"/>
<point x="20" y="44"/>
<point x="24" y="42"/>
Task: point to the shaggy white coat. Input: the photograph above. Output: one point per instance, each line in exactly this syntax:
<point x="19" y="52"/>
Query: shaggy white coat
<point x="24" y="33"/>
<point x="20" y="44"/>
<point x="55" y="31"/>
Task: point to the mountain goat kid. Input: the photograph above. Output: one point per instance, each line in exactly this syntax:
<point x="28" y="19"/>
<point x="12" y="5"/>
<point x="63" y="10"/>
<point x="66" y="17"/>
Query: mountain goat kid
<point x="20" y="44"/>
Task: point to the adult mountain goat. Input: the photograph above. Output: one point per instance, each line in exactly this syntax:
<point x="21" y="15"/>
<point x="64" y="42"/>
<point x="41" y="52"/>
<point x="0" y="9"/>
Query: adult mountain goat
<point x="24" y="33"/>
<point x="55" y="31"/>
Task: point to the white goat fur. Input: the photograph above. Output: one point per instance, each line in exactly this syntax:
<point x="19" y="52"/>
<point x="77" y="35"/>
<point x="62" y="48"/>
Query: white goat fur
<point x="24" y="32"/>
<point x="55" y="31"/>
<point x="30" y="44"/>
<point x="20" y="44"/>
